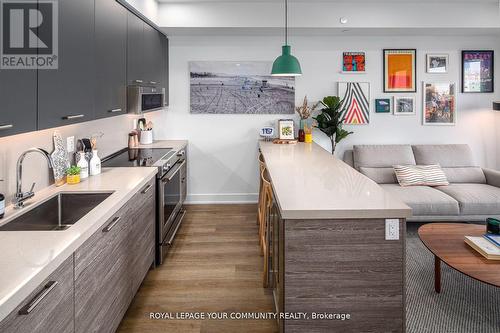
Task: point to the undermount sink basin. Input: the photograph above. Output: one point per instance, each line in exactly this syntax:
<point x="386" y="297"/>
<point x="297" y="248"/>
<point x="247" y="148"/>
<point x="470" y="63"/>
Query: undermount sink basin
<point x="57" y="213"/>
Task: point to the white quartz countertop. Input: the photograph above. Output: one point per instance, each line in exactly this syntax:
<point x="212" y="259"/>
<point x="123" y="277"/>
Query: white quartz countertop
<point x="174" y="144"/>
<point x="310" y="183"/>
<point x="29" y="257"/>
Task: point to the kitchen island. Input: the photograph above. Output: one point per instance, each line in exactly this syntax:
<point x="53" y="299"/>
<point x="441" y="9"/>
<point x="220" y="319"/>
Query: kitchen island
<point x="329" y="254"/>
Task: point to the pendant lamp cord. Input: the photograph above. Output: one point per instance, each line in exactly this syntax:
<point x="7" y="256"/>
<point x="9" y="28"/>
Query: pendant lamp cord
<point x="286" y="22"/>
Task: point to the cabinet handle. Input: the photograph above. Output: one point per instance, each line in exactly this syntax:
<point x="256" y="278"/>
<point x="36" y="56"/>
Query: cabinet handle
<point x="25" y="310"/>
<point x="115" y="110"/>
<point x="146" y="189"/>
<point x="138" y="81"/>
<point x="2" y="127"/>
<point x="111" y="224"/>
<point x="76" y="116"/>
<point x="153" y="82"/>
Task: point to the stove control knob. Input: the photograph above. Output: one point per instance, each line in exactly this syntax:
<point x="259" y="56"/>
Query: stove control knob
<point x="166" y="167"/>
<point x="181" y="153"/>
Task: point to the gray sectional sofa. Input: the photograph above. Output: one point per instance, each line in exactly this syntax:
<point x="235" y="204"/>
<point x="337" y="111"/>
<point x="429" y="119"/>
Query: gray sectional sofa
<point x="473" y="193"/>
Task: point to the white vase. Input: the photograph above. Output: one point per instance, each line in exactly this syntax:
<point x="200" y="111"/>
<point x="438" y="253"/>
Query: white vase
<point x="95" y="164"/>
<point x="84" y="166"/>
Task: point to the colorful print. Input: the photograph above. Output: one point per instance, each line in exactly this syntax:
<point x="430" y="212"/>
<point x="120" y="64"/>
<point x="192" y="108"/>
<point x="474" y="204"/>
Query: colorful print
<point x="400" y="71"/>
<point x="354" y="62"/>
<point x="477" y="68"/>
<point x="356" y="102"/>
<point x="439" y="104"/>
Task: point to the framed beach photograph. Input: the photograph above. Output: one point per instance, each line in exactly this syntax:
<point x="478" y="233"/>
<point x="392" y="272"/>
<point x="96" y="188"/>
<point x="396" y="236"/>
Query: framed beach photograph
<point x="404" y="106"/>
<point x="383" y="105"/>
<point x="439" y="103"/>
<point x="437" y="63"/>
<point x="355" y="98"/>
<point x="354" y="62"/>
<point x="478" y="71"/>
<point x="400" y="74"/>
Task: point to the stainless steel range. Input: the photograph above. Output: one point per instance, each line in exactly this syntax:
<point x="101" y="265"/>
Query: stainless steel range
<point x="170" y="188"/>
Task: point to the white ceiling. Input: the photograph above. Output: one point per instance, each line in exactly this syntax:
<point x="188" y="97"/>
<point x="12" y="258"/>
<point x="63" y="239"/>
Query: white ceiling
<point x="373" y="1"/>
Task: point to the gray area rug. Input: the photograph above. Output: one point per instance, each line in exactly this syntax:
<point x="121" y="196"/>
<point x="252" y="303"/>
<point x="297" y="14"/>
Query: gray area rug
<point x="464" y="305"/>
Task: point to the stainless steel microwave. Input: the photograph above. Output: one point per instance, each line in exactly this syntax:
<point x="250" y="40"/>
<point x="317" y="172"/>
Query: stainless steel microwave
<point x="142" y="99"/>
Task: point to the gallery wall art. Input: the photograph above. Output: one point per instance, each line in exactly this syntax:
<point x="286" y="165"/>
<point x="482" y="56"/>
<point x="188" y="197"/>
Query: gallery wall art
<point x="437" y="63"/>
<point x="439" y="104"/>
<point x="478" y="71"/>
<point x="400" y="73"/>
<point x="353" y="62"/>
<point x="404" y="106"/>
<point x="227" y="87"/>
<point x="383" y="105"/>
<point x="355" y="98"/>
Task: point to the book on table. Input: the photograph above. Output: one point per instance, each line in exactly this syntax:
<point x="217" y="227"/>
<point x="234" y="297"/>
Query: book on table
<point x="495" y="239"/>
<point x="486" y="248"/>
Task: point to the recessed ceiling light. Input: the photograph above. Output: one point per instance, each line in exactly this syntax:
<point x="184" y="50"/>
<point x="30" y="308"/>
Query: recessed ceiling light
<point x="343" y="20"/>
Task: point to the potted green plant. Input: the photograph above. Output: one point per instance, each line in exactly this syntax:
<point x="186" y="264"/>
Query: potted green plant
<point x="330" y="120"/>
<point x="73" y="175"/>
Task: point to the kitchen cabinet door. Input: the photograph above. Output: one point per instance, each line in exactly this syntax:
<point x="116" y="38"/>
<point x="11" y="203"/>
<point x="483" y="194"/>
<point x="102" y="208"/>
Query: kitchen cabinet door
<point x="153" y="56"/>
<point x="166" y="68"/>
<point x="49" y="308"/>
<point x="135" y="49"/>
<point x="66" y="94"/>
<point x="111" y="58"/>
<point x="17" y="101"/>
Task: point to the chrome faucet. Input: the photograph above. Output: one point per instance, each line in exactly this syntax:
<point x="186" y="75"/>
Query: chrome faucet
<point x="21" y="196"/>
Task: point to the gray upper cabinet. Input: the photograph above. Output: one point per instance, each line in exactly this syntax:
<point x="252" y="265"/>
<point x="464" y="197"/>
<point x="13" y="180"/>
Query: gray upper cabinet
<point x="66" y="95"/>
<point x="153" y="53"/>
<point x="111" y="58"/>
<point x="135" y="49"/>
<point x="18" y="101"/>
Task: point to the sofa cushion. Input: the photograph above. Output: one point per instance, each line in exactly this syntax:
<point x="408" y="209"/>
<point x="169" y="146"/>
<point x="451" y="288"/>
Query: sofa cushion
<point x="474" y="199"/>
<point x="424" y="200"/>
<point x="382" y="156"/>
<point x="380" y="175"/>
<point x="420" y="175"/>
<point x="457" y="162"/>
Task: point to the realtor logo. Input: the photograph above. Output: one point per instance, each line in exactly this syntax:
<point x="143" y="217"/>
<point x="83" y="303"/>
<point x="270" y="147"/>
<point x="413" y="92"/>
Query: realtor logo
<point x="29" y="34"/>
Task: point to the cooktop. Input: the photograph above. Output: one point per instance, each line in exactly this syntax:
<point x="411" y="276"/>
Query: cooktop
<point x="138" y="157"/>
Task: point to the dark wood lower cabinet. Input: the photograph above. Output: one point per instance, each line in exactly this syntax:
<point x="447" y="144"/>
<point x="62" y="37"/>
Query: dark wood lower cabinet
<point x="111" y="265"/>
<point x="49" y="308"/>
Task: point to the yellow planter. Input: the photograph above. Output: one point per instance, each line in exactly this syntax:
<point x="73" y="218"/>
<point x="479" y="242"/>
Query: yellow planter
<point x="73" y="179"/>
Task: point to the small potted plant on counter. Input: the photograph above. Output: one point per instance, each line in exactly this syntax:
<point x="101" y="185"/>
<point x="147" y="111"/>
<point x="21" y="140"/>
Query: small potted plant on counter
<point x="73" y="175"/>
<point x="330" y="120"/>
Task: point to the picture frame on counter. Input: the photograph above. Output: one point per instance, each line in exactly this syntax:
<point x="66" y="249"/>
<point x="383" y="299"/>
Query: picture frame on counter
<point x="400" y="70"/>
<point x="286" y="129"/>
<point x="353" y="62"/>
<point x="404" y="106"/>
<point x="478" y="71"/>
<point x="439" y="104"/>
<point x="437" y="63"/>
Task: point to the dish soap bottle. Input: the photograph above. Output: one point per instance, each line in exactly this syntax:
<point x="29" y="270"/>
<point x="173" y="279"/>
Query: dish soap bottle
<point x="95" y="164"/>
<point x="84" y="165"/>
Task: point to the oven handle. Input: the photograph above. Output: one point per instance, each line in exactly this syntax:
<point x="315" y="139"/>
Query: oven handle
<point x="171" y="175"/>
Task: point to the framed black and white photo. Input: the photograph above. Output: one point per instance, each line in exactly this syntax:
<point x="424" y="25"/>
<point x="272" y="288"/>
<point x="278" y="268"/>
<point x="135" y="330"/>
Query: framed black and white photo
<point x="437" y="63"/>
<point x="404" y="106"/>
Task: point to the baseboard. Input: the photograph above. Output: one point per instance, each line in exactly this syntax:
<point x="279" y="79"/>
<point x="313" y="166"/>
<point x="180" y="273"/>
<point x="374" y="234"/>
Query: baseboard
<point x="222" y="198"/>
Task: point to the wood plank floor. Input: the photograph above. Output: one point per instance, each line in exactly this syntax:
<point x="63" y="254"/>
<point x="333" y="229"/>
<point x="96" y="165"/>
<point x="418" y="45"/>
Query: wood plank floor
<point x="214" y="266"/>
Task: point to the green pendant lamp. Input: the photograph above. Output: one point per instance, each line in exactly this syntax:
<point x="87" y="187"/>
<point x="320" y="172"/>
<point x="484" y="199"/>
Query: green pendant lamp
<point x="286" y="64"/>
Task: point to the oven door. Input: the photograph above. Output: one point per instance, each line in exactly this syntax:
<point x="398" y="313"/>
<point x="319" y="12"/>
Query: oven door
<point x="170" y="204"/>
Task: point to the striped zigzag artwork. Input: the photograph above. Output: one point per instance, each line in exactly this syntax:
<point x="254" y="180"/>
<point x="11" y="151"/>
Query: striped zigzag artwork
<point x="356" y="102"/>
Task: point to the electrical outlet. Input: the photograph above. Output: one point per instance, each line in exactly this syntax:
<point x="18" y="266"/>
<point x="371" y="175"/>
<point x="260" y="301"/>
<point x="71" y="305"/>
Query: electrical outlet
<point x="391" y="229"/>
<point x="70" y="144"/>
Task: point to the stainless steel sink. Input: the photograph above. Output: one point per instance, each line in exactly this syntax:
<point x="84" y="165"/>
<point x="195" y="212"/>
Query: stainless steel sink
<point x="58" y="213"/>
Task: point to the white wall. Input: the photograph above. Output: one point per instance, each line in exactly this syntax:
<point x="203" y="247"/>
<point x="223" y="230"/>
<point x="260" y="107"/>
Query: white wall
<point x="223" y="148"/>
<point x="148" y="8"/>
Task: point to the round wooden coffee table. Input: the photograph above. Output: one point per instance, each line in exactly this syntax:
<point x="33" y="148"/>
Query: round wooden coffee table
<point x="446" y="242"/>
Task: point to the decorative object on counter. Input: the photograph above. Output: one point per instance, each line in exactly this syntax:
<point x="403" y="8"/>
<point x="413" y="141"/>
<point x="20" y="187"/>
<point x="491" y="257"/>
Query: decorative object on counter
<point x="439" y="104"/>
<point x="133" y="140"/>
<point x="400" y="74"/>
<point x="83" y="164"/>
<point x="59" y="157"/>
<point x="496" y="106"/>
<point x="228" y="87"/>
<point x="286" y="64"/>
<point x="383" y="105"/>
<point x="354" y="63"/>
<point x="330" y="120"/>
<point x="95" y="164"/>
<point x="305" y="112"/>
<point x="404" y="105"/>
<point x="2" y="205"/>
<point x="286" y="128"/>
<point x="141" y="124"/>
<point x="285" y="142"/>
<point x="493" y="226"/>
<point x="478" y="71"/>
<point x="267" y="133"/>
<point x="437" y="63"/>
<point x="355" y="102"/>
<point x="308" y="138"/>
<point x="146" y="137"/>
<point x="73" y="175"/>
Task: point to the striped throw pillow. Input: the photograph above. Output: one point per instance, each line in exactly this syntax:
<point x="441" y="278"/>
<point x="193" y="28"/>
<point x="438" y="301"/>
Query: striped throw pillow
<point x="420" y="175"/>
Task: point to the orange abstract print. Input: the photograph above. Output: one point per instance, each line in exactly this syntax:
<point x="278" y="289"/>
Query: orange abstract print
<point x="400" y="70"/>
